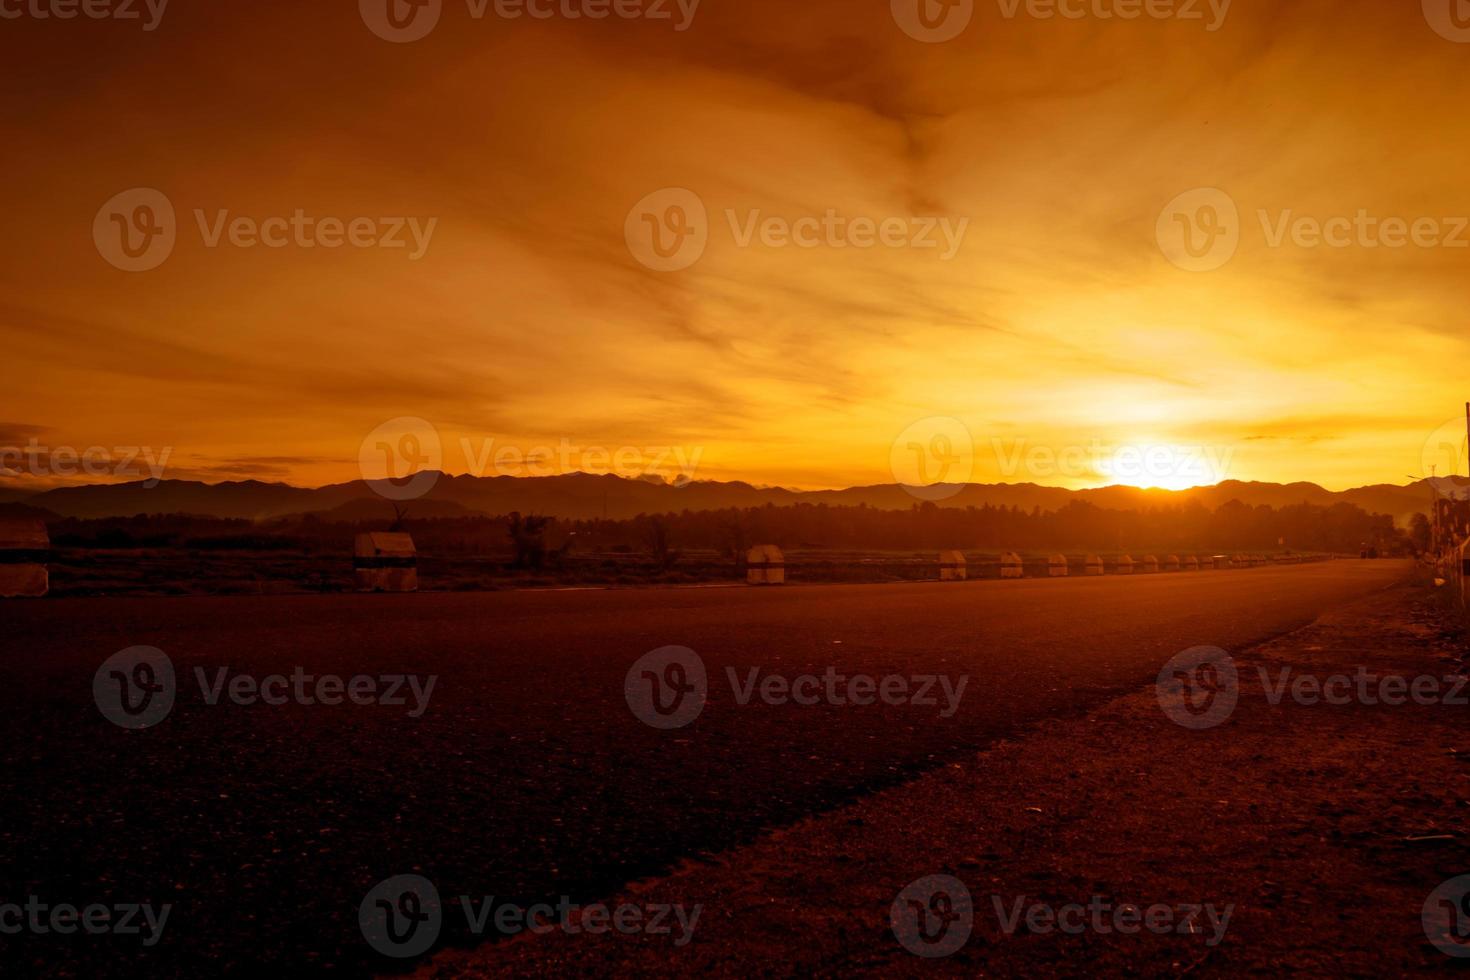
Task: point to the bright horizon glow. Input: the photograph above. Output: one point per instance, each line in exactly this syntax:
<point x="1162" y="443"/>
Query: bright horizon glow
<point x="1059" y="321"/>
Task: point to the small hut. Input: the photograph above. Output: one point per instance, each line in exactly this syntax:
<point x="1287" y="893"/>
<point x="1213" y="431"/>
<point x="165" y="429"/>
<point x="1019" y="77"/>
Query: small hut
<point x="1057" y="566"/>
<point x="1190" y="563"/>
<point x="1125" y="565"/>
<point x="1171" y="564"/>
<point x="1465" y="572"/>
<point x="1222" y="561"/>
<point x="953" y="567"/>
<point x="1011" y="566"/>
<point x="765" y="565"/>
<point x="25" y="548"/>
<point x="1241" y="561"/>
<point x="386" y="561"/>
<point x="1150" y="563"/>
<point x="1094" y="565"/>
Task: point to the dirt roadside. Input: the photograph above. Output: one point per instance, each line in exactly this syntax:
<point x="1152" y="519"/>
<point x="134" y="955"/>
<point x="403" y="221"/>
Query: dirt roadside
<point x="1320" y="829"/>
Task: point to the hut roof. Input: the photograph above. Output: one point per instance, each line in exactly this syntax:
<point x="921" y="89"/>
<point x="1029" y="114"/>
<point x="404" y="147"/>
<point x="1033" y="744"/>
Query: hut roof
<point x="23" y="535"/>
<point x="952" y="557"/>
<point x="385" y="544"/>
<point x="765" y="554"/>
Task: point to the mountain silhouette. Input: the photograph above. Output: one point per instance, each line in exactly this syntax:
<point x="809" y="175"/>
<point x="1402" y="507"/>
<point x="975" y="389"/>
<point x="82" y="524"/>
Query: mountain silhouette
<point x="583" y="496"/>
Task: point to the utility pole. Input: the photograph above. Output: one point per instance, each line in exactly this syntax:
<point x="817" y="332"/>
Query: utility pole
<point x="1434" y="509"/>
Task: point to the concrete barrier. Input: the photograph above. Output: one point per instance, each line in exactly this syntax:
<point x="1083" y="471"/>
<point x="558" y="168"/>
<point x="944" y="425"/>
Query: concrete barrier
<point x="1094" y="565"/>
<point x="953" y="567"/>
<point x="25" y="548"/>
<point x="765" y="564"/>
<point x="386" y="562"/>
<point x="1057" y="566"/>
<point x="1125" y="565"/>
<point x="1150" y="564"/>
<point x="1011" y="566"/>
<point x="1190" y="563"/>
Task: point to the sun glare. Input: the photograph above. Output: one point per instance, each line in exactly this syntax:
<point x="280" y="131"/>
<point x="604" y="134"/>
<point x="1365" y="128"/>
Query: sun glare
<point x="1162" y="465"/>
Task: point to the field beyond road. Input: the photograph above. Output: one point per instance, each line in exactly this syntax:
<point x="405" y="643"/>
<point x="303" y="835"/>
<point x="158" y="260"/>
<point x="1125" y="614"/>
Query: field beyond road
<point x="526" y="776"/>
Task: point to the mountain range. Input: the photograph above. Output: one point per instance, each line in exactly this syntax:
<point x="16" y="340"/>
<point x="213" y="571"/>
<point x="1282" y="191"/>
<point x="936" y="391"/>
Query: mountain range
<point x="581" y="495"/>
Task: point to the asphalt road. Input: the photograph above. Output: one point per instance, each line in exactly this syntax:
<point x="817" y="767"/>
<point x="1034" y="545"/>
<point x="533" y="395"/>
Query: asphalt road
<point x="528" y="776"/>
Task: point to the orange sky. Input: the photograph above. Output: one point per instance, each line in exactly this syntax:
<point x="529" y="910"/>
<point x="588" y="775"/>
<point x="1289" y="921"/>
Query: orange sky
<point x="1058" y="334"/>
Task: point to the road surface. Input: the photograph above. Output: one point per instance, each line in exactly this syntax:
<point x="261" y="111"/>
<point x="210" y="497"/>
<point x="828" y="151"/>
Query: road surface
<point x="527" y="776"/>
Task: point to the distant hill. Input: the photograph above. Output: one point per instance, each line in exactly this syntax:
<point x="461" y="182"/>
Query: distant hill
<point x="581" y="495"/>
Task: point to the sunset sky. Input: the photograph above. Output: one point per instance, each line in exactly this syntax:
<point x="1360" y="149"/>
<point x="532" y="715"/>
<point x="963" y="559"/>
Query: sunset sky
<point x="1059" y="322"/>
